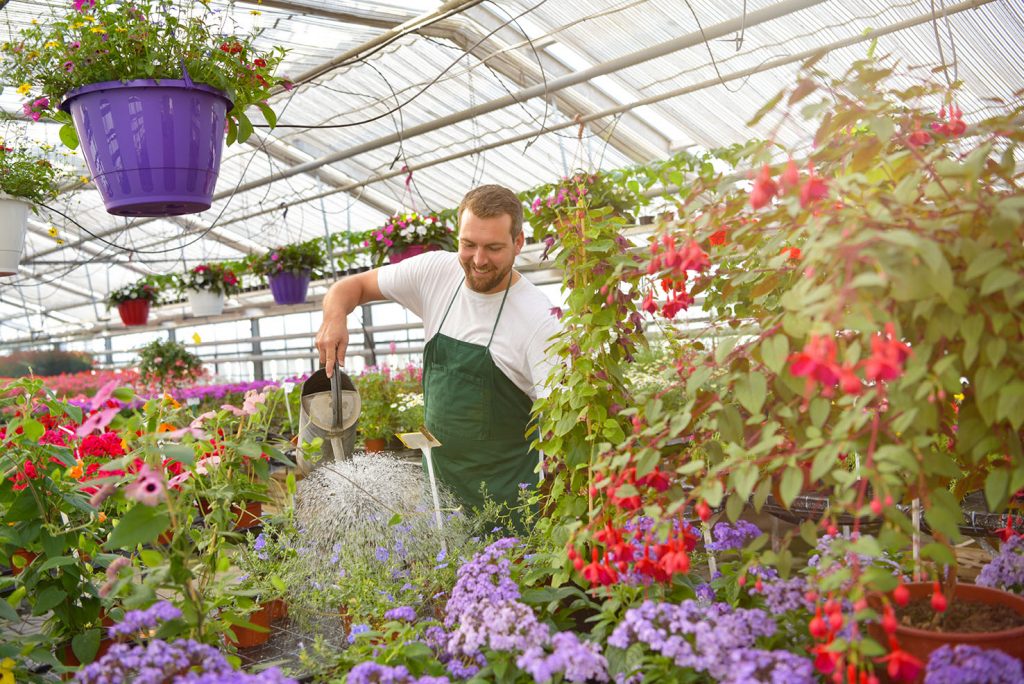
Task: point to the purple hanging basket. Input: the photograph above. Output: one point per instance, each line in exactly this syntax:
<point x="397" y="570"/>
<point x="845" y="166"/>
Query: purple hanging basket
<point x="289" y="287"/>
<point x="153" y="147"/>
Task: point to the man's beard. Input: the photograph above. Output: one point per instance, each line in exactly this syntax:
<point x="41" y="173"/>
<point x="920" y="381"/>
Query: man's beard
<point x="486" y="281"/>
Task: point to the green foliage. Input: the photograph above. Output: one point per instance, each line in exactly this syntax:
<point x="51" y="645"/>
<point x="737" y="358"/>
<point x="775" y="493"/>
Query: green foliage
<point x="295" y="258"/>
<point x="559" y="201"/>
<point x="166" y="363"/>
<point x="147" y="288"/>
<point x="27" y="174"/>
<point x="150" y="39"/>
<point x="391" y="401"/>
<point x="43" y="363"/>
<point x="214" y="277"/>
<point x="407" y="229"/>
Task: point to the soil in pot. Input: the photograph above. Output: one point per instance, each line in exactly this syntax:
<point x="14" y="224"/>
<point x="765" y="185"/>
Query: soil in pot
<point x="960" y="616"/>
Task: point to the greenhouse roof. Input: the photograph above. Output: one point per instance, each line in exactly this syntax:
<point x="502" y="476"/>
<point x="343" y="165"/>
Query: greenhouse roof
<point x="468" y="92"/>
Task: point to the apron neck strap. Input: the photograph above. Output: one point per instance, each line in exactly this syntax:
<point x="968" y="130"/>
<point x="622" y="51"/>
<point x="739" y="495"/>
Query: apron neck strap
<point x="500" y="308"/>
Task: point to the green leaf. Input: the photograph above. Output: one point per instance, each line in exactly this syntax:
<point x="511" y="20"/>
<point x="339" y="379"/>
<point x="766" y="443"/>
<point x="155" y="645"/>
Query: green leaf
<point x="944" y="514"/>
<point x="1011" y="399"/>
<point x="792" y="483"/>
<point x="999" y="279"/>
<point x="396" y="519"/>
<point x="984" y="262"/>
<point x="140" y="525"/>
<point x="971" y="328"/>
<point x="47" y="599"/>
<point x="996" y="489"/>
<point x="744" y="478"/>
<point x="86" y="644"/>
<point x="232" y="131"/>
<point x="244" y="127"/>
<point x="751" y="390"/>
<point x="8" y="613"/>
<point x="182" y="453"/>
<point x="268" y="113"/>
<point x="734" y="506"/>
<point x="125" y="394"/>
<point x="69" y="136"/>
<point x="59" y="561"/>
<point x="768" y="106"/>
<point x="940" y="553"/>
<point x="151" y="558"/>
<point x="774" y="352"/>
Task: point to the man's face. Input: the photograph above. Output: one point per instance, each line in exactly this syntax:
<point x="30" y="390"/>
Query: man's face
<point x="487" y="251"/>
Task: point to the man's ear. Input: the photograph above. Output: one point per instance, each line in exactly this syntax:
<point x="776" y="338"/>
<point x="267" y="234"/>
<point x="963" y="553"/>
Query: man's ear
<point x="519" y="242"/>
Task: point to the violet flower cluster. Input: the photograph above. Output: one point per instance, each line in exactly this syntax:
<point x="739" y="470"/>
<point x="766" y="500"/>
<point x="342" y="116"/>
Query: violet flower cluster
<point x="181" y="661"/>
<point x="580" y="661"/>
<point x="753" y="665"/>
<point x="1006" y="570"/>
<point x="703" y="637"/>
<point x="732" y="537"/>
<point x="373" y="673"/>
<point x="139" y="621"/>
<point x="785" y="596"/>
<point x="402" y="613"/>
<point x="965" y="664"/>
<point x="485" y="578"/>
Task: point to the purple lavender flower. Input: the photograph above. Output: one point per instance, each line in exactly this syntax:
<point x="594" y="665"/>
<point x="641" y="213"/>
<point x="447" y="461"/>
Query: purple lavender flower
<point x="258" y="545"/>
<point x="136" y="621"/>
<point x="732" y="537"/>
<point x="373" y="673"/>
<point x="752" y="665"/>
<point x="504" y="626"/>
<point x="404" y="613"/>
<point x="183" y="660"/>
<point x="486" y="577"/>
<point x="382" y="554"/>
<point x="705" y="593"/>
<point x="784" y="596"/>
<point x="1006" y="570"/>
<point x="578" y="661"/>
<point x="691" y="634"/>
<point x="357" y="629"/>
<point x="964" y="664"/>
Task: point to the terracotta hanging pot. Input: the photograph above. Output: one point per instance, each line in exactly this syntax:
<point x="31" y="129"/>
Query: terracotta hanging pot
<point x="374" y="445"/>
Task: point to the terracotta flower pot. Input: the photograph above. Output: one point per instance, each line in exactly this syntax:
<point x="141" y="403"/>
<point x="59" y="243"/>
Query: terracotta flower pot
<point x="26" y="557"/>
<point x="374" y="445"/>
<point x="245" y="637"/>
<point x="247" y="517"/>
<point x="278" y="609"/>
<point x="921" y="642"/>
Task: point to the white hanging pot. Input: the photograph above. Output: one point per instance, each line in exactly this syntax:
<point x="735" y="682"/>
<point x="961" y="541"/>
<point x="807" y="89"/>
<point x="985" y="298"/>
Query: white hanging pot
<point x="206" y="303"/>
<point x="13" y="223"/>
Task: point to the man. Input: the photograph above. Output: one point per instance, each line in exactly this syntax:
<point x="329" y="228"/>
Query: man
<point x="487" y="329"/>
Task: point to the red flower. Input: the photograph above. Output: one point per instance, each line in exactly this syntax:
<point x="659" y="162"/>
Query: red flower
<point x="597" y="574"/>
<point x="918" y="137"/>
<point x="790" y="178"/>
<point x="718" y="237"/>
<point x="849" y="383"/>
<point x="902" y="667"/>
<point x="814" y="189"/>
<point x="887" y="356"/>
<point x="764" y="188"/>
<point x="817" y="362"/>
<point x="260" y="62"/>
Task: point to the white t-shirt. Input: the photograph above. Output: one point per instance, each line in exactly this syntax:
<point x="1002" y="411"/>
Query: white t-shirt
<point x="425" y="285"/>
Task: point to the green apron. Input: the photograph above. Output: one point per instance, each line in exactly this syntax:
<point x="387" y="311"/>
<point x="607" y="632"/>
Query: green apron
<point x="480" y="417"/>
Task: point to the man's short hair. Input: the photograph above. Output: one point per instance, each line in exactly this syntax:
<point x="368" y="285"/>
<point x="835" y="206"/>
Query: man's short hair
<point x="489" y="201"/>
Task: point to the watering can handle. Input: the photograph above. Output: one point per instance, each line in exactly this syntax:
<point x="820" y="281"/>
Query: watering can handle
<point x="339" y="411"/>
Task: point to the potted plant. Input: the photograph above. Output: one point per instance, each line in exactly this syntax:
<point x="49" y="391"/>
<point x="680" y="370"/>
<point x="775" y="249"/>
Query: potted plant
<point x="111" y="71"/>
<point x="26" y="180"/>
<point x="378" y="414"/>
<point x="290" y="268"/>
<point x="555" y="203"/>
<point x="164" y="364"/>
<point x="206" y="285"/>
<point x="134" y="301"/>
<point x="407" y="234"/>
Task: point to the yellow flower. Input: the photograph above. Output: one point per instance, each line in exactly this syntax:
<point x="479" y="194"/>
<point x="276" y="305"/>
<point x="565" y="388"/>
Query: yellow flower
<point x="97" y="29"/>
<point x="196" y="338"/>
<point x="78" y="25"/>
<point x="7" y="664"/>
<point x="53" y="231"/>
<point x="959" y="396"/>
<point x="52" y="44"/>
<point x="59" y="242"/>
<point x="172" y="401"/>
<point x="84" y="179"/>
<point x="24" y="88"/>
<point x="255" y="13"/>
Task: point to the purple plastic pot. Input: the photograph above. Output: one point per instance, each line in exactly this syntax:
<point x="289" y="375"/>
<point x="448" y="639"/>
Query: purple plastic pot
<point x="289" y="287"/>
<point x="410" y="251"/>
<point x="153" y="148"/>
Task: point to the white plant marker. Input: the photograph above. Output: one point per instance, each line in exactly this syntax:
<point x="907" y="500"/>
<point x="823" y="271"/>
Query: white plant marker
<point x="425" y="442"/>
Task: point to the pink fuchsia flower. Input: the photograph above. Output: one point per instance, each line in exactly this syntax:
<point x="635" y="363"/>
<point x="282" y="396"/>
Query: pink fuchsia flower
<point x="82" y="5"/>
<point x="148" y="487"/>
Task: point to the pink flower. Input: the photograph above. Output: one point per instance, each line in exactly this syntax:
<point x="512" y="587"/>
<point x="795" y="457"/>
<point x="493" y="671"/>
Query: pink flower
<point x="148" y="487"/>
<point x="81" y="5"/>
<point x="274" y="256"/>
<point x="201" y="465"/>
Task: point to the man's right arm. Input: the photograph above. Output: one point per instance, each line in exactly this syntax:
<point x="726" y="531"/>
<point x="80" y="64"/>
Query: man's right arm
<point x="341" y="300"/>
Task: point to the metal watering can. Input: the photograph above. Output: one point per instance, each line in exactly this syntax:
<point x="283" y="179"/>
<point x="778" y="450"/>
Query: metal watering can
<point x="329" y="408"/>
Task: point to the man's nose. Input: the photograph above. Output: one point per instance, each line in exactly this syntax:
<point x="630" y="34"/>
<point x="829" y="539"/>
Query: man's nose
<point x="479" y="257"/>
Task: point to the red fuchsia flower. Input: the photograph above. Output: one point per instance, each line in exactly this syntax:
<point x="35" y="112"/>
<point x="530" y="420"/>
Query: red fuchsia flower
<point x="939" y="603"/>
<point x="849" y="383"/>
<point x="794" y="253"/>
<point x="817" y="363"/>
<point x="702" y="510"/>
<point x="919" y="137"/>
<point x="718" y="238"/>
<point x="598" y="574"/>
<point x="148" y="487"/>
<point x="790" y="178"/>
<point x="814" y="189"/>
<point x="764" y="188"/>
<point x="900" y="665"/>
<point x="954" y="127"/>
<point x="888" y="355"/>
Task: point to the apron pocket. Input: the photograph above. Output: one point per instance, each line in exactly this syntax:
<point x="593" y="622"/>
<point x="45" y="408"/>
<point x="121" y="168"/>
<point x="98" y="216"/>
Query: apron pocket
<point x="458" y="404"/>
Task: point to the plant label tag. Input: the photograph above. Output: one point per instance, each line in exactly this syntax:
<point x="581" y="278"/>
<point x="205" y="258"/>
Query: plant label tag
<point x="419" y="440"/>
